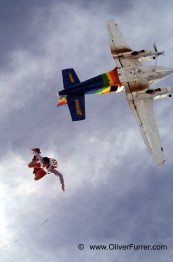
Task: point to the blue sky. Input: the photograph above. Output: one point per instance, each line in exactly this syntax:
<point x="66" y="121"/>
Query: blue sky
<point x="114" y="193"/>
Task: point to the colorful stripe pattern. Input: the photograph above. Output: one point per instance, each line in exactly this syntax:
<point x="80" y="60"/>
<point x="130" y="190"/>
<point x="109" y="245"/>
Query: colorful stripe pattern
<point x="62" y="101"/>
<point x="108" y="82"/>
<point x="101" y="84"/>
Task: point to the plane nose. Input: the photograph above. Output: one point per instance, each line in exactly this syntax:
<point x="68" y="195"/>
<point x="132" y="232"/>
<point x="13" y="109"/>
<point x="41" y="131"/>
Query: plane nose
<point x="169" y="70"/>
<point x="164" y="71"/>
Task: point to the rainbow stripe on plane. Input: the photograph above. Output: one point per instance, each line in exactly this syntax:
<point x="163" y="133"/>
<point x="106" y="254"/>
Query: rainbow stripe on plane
<point x="62" y="101"/>
<point x="110" y="79"/>
<point x="101" y="84"/>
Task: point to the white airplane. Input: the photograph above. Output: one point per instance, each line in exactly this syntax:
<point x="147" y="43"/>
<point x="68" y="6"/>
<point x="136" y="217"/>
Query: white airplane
<point x="129" y="75"/>
<point x="136" y="78"/>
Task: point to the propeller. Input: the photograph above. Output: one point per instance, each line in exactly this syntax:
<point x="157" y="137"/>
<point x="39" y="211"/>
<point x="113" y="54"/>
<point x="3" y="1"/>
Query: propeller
<point x="157" y="53"/>
<point x="156" y="50"/>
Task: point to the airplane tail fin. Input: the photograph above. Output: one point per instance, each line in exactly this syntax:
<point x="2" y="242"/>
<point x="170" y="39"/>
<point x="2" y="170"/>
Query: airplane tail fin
<point x="76" y="104"/>
<point x="70" y="78"/>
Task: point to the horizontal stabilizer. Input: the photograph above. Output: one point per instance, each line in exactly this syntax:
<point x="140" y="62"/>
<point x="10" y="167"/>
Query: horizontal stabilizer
<point x="76" y="106"/>
<point x="70" y="78"/>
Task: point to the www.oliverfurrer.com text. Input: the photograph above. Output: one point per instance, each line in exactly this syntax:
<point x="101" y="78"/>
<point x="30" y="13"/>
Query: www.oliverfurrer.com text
<point x="118" y="247"/>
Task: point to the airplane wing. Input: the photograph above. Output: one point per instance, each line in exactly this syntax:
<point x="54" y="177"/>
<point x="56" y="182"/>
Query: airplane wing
<point x="116" y="39"/>
<point x="118" y="45"/>
<point x="144" y="114"/>
<point x="141" y="108"/>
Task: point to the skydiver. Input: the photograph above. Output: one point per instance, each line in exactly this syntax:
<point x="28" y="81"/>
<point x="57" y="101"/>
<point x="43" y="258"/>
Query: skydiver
<point x="45" y="167"/>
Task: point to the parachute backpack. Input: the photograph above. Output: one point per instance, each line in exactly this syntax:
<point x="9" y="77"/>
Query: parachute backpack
<point x="53" y="163"/>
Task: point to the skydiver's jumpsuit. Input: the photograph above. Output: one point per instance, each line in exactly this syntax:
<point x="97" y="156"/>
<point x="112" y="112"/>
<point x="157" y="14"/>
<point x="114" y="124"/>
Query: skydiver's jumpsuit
<point x="38" y="171"/>
<point x="42" y="171"/>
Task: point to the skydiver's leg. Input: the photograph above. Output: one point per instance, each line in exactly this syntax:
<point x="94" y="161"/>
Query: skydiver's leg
<point x="33" y="164"/>
<point x="39" y="174"/>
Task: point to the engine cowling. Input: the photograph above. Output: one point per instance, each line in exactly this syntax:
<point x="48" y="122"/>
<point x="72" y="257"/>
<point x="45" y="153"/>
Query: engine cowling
<point x="140" y="55"/>
<point x="157" y="93"/>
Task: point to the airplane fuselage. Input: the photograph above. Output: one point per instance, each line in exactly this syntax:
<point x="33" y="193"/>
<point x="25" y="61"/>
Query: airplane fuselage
<point x="148" y="74"/>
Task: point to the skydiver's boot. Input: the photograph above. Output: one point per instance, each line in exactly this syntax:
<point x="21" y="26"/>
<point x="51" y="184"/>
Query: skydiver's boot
<point x="39" y="174"/>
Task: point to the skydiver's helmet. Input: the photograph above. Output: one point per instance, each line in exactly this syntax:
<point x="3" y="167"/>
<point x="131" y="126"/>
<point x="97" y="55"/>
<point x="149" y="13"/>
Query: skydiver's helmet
<point x="46" y="160"/>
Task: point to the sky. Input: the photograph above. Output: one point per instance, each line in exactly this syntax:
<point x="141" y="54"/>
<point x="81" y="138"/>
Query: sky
<point x="114" y="193"/>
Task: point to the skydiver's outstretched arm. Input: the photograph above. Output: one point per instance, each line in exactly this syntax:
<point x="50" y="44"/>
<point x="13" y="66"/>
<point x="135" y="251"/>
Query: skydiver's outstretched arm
<point x="57" y="173"/>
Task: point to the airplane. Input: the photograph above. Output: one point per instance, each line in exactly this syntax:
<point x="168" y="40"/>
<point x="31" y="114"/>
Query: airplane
<point x="129" y="75"/>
